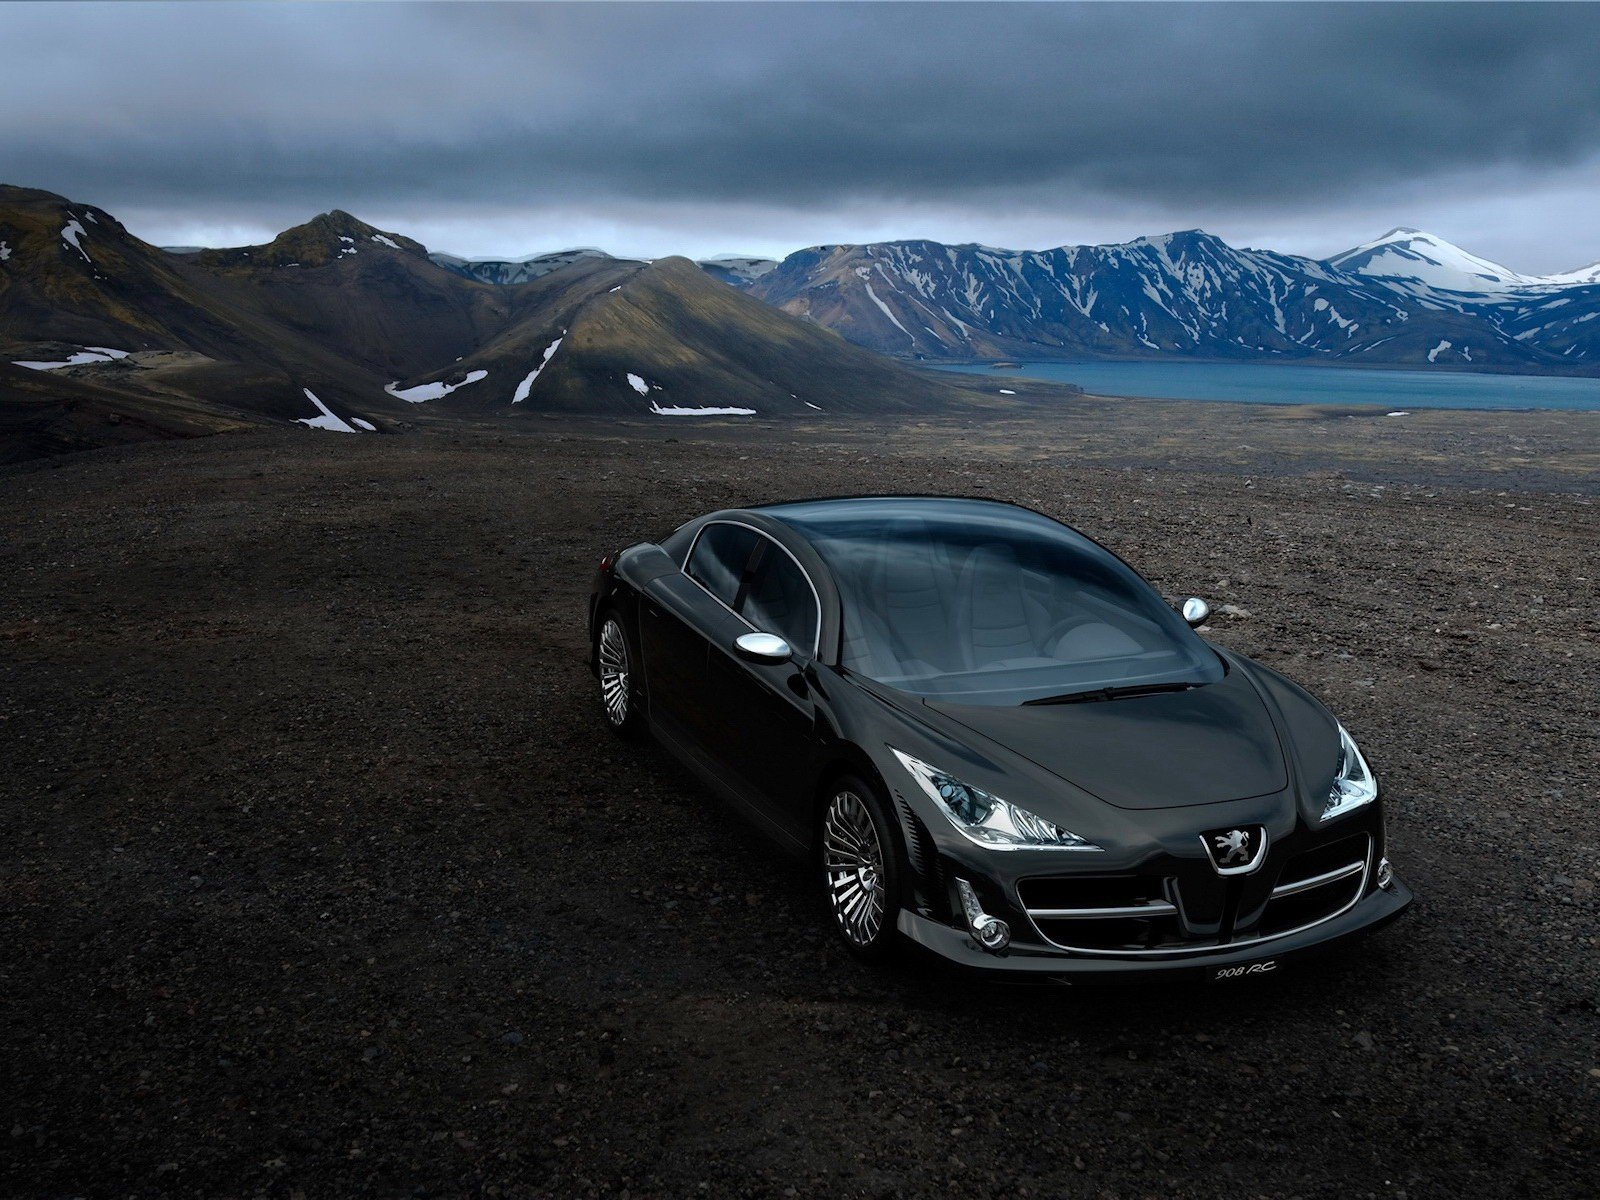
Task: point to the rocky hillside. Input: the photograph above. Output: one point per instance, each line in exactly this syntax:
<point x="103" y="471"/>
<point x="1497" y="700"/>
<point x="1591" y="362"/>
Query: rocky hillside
<point x="667" y="339"/>
<point x="338" y="325"/>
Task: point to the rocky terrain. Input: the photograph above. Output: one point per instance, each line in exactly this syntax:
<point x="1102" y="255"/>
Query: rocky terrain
<point x="321" y="876"/>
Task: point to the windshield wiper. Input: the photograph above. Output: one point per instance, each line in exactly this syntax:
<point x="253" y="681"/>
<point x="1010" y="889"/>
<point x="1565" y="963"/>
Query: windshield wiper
<point x="1113" y="693"/>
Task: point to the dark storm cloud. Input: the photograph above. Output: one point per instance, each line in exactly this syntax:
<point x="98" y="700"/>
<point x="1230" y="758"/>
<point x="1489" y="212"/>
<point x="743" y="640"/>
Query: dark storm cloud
<point x="1231" y="110"/>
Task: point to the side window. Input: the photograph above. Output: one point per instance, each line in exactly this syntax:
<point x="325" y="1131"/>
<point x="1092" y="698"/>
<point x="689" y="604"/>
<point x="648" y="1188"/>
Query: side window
<point x="721" y="559"/>
<point x="780" y="600"/>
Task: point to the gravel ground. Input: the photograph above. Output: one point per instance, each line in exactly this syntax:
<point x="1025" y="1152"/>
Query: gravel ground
<point x="321" y="876"/>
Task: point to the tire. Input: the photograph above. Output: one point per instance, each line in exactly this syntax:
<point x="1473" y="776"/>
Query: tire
<point x="617" y="656"/>
<point x="860" y="863"/>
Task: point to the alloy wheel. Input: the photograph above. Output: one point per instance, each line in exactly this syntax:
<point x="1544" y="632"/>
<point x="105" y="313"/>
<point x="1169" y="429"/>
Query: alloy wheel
<point x="614" y="672"/>
<point x="853" y="860"/>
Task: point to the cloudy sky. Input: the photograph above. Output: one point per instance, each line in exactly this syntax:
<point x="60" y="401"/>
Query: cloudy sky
<point x="662" y="128"/>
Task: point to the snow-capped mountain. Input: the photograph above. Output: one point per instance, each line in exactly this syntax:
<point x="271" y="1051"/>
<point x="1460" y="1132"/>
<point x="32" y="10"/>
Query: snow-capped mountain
<point x="1191" y="294"/>
<point x="1421" y="262"/>
<point x="1552" y="316"/>
<point x="1588" y="274"/>
<point x="1406" y="256"/>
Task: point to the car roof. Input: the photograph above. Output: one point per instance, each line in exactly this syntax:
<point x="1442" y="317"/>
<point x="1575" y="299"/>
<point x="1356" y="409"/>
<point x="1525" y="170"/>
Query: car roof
<point x="840" y="512"/>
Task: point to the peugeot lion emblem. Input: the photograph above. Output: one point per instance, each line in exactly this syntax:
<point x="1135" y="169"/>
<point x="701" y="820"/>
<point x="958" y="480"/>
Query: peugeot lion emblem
<point x="1236" y="851"/>
<point x="1232" y="847"/>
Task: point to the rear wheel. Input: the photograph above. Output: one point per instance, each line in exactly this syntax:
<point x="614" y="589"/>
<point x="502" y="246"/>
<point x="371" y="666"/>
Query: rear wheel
<point x="619" y="684"/>
<point x="860" y="862"/>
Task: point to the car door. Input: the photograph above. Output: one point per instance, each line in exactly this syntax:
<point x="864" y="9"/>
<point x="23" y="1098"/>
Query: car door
<point x="761" y="716"/>
<point x="680" y="616"/>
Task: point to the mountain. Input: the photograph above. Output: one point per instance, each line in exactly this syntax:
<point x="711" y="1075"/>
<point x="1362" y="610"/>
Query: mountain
<point x="1587" y="274"/>
<point x="1187" y="294"/>
<point x="667" y="339"/>
<point x="1412" y="259"/>
<point x="1422" y="263"/>
<point x="737" y="269"/>
<point x="516" y="270"/>
<point x="1553" y="316"/>
<point x="338" y="325"/>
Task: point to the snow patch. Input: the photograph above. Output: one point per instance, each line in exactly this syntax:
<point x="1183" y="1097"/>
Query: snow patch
<point x="676" y="411"/>
<point x="808" y="404"/>
<point x="1433" y="355"/>
<point x="1398" y="413"/>
<point x="327" y="419"/>
<point x="1007" y="392"/>
<point x="89" y="354"/>
<point x="367" y="425"/>
<point x="526" y="385"/>
<point x="885" y="309"/>
<point x="5" y="252"/>
<point x="70" y="233"/>
<point x="431" y="391"/>
<point x="637" y="383"/>
<point x="384" y="241"/>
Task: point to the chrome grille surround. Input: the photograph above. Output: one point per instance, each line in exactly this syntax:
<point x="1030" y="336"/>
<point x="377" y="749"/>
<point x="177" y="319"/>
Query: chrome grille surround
<point x="1172" y="906"/>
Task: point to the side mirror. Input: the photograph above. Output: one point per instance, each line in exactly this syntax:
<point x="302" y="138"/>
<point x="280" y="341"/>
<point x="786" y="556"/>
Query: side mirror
<point x="1195" y="610"/>
<point x="762" y="648"/>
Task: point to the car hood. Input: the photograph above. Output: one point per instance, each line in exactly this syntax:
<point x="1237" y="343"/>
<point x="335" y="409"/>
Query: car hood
<point x="1167" y="750"/>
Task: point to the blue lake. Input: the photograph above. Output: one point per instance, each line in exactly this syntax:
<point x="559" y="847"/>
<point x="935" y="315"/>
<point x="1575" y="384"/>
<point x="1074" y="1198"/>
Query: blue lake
<point x="1282" y="383"/>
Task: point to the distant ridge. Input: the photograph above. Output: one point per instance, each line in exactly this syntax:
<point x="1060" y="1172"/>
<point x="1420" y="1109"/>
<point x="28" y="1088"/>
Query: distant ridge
<point x="1408" y="298"/>
<point x="516" y="270"/>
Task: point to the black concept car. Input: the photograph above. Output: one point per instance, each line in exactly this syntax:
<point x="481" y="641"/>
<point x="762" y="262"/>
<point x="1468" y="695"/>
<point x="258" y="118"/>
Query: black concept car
<point x="992" y="738"/>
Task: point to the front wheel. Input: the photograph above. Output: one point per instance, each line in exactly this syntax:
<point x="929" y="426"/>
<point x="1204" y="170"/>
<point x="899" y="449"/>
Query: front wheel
<point x="619" y="684"/>
<point x="860" y="864"/>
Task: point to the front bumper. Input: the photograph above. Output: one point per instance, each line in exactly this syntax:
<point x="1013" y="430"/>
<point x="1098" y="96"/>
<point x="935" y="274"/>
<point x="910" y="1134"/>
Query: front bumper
<point x="1216" y="964"/>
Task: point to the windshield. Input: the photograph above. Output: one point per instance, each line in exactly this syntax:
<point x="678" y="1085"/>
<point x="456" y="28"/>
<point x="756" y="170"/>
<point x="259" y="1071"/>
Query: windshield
<point x="982" y="603"/>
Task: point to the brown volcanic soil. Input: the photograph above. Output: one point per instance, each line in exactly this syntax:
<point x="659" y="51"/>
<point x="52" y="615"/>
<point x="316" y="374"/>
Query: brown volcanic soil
<point x="321" y="876"/>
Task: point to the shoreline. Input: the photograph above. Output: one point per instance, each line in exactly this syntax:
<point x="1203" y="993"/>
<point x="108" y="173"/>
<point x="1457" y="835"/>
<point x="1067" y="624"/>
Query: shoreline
<point x="981" y="369"/>
<point x="1487" y="370"/>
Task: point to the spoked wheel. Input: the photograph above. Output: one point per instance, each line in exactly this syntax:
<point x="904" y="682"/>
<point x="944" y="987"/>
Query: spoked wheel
<point x="860" y="869"/>
<point x="617" y="685"/>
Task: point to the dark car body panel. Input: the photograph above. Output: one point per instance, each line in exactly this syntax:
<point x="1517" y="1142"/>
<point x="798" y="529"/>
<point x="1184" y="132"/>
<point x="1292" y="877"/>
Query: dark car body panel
<point x="1141" y="777"/>
<point x="1167" y="750"/>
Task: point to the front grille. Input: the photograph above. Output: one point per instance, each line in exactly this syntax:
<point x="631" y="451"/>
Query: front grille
<point x="1317" y="885"/>
<point x="1096" y="891"/>
<point x="1115" y="912"/>
<point x="1191" y="908"/>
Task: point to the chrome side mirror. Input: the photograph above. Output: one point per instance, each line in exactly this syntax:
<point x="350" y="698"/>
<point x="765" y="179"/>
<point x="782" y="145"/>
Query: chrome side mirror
<point x="1195" y="610"/>
<point x="762" y="648"/>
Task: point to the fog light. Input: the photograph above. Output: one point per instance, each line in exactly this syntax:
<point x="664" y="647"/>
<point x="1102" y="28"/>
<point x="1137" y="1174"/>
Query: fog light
<point x="1385" y="874"/>
<point x="993" y="934"/>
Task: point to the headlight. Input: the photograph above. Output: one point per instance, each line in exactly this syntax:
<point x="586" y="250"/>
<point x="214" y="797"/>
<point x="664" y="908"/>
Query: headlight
<point x="986" y="819"/>
<point x="1353" y="785"/>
